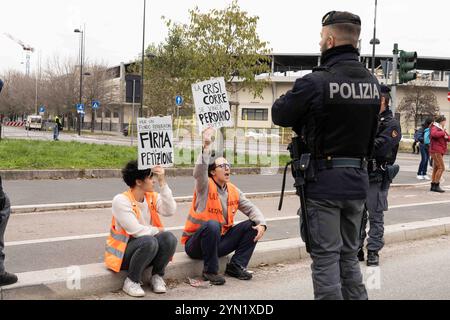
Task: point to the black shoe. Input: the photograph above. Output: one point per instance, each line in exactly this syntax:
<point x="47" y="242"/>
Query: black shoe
<point x="372" y="259"/>
<point x="437" y="188"/>
<point x="361" y="254"/>
<point x="7" y="279"/>
<point x="236" y="271"/>
<point x="213" y="278"/>
<point x="433" y="186"/>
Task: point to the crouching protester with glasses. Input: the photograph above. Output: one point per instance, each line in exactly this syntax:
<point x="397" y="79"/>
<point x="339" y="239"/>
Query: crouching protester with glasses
<point x="138" y="240"/>
<point x="210" y="232"/>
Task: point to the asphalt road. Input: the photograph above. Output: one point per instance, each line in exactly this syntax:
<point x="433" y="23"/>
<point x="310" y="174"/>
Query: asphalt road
<point x="57" y="239"/>
<point x="409" y="271"/>
<point x="26" y="192"/>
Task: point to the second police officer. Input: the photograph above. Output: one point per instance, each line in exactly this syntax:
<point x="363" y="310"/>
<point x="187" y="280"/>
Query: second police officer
<point x="381" y="173"/>
<point x="335" y="112"/>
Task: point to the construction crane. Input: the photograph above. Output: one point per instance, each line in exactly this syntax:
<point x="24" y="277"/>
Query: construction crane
<point x="28" y="50"/>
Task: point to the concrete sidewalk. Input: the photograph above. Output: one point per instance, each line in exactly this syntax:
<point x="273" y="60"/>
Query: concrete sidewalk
<point x="80" y="281"/>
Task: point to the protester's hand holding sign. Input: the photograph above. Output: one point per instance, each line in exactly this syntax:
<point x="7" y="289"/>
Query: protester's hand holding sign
<point x="208" y="137"/>
<point x="160" y="175"/>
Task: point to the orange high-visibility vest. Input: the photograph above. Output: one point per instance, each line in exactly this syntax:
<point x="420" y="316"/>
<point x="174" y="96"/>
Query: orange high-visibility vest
<point x="116" y="244"/>
<point x="213" y="211"/>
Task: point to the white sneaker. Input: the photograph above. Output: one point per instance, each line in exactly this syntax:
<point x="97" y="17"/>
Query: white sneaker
<point x="421" y="177"/>
<point x="133" y="289"/>
<point x="158" y="285"/>
<point x="425" y="177"/>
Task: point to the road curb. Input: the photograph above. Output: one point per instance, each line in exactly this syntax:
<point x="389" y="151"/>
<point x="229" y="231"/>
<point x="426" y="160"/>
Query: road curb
<point x="96" y="279"/>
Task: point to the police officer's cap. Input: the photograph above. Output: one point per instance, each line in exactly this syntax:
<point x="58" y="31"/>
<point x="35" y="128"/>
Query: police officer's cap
<point x="385" y="89"/>
<point x="334" y="17"/>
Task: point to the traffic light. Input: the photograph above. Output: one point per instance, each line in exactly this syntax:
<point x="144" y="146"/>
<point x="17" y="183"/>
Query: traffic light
<point x="408" y="62"/>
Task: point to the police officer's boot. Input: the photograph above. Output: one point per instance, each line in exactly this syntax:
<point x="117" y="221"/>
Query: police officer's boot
<point x="361" y="254"/>
<point x="372" y="258"/>
<point x="7" y="279"/>
<point x="437" y="188"/>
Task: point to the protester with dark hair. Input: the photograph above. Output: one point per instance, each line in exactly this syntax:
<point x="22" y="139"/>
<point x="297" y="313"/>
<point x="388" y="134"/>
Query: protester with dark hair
<point x="424" y="143"/>
<point x="137" y="238"/>
<point x="438" y="148"/>
<point x="210" y="232"/>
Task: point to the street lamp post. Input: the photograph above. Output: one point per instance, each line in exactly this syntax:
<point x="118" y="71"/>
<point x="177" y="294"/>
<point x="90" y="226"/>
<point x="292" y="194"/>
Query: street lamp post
<point x="143" y="60"/>
<point x="374" y="40"/>
<point x="82" y="36"/>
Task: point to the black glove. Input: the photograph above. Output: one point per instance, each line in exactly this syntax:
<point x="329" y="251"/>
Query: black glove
<point x="2" y="196"/>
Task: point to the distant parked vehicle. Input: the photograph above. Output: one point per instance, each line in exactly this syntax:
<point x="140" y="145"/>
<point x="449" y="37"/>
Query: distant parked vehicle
<point x="34" y="122"/>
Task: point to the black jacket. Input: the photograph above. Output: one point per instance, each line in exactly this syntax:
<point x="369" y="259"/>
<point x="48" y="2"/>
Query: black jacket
<point x="302" y="109"/>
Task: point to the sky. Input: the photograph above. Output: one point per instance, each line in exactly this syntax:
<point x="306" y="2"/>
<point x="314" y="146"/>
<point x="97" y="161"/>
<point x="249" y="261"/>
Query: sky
<point x="114" y="27"/>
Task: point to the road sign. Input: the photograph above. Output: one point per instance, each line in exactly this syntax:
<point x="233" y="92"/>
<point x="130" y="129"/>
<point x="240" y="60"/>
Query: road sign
<point x="179" y="100"/>
<point x="42" y="109"/>
<point x="95" y="104"/>
<point x="80" y="108"/>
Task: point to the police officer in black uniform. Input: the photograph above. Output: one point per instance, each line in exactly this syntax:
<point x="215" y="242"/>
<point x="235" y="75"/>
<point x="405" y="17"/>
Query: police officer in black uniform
<point x="381" y="172"/>
<point x="335" y="112"/>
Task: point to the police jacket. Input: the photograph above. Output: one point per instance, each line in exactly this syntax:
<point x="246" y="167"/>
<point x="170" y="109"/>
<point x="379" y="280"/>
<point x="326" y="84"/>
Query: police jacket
<point x="336" y="109"/>
<point x="387" y="139"/>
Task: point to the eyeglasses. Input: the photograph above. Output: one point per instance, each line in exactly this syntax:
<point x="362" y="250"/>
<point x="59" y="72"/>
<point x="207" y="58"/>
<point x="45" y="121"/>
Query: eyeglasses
<point x="224" y="166"/>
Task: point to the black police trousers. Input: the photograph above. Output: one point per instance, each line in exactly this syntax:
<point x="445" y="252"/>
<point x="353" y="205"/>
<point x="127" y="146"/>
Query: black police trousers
<point x="334" y="228"/>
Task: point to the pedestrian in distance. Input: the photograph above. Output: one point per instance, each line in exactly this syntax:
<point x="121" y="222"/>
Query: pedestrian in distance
<point x="210" y="232"/>
<point x="415" y="145"/>
<point x="423" y="137"/>
<point x="334" y="111"/>
<point x="381" y="173"/>
<point x="57" y="128"/>
<point x="438" y="148"/>
<point x="138" y="239"/>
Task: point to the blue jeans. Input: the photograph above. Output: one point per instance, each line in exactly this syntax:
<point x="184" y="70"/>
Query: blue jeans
<point x="55" y="132"/>
<point x="4" y="217"/>
<point x="208" y="244"/>
<point x="424" y="160"/>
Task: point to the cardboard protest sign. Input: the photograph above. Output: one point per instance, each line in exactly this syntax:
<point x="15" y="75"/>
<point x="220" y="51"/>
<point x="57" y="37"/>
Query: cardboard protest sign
<point x="211" y="104"/>
<point x="155" y="142"/>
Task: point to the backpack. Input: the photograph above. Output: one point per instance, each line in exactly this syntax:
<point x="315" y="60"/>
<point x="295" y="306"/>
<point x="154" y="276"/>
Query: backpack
<point x="419" y="135"/>
<point x="426" y="136"/>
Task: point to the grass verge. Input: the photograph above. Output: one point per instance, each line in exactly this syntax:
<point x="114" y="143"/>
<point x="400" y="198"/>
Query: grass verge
<point x="42" y="155"/>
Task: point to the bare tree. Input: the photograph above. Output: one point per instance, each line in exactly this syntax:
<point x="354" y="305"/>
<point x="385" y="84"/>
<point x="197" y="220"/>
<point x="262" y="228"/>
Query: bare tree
<point x="96" y="86"/>
<point x="18" y="95"/>
<point x="419" y="102"/>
